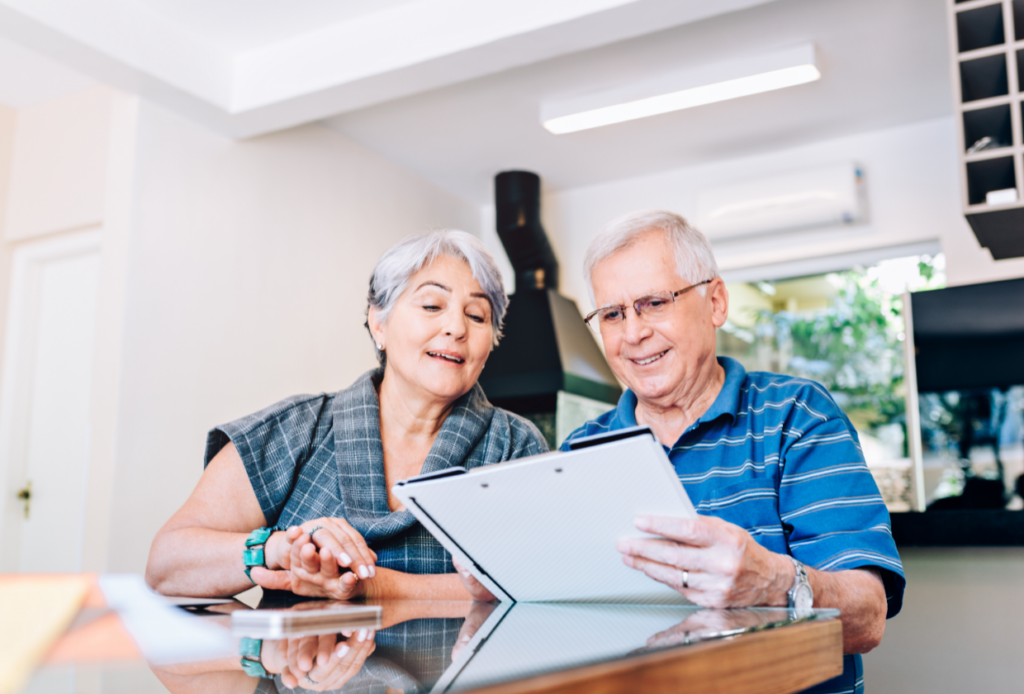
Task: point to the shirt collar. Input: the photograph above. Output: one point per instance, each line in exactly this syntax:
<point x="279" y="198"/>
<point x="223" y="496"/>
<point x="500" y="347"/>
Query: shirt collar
<point x="727" y="402"/>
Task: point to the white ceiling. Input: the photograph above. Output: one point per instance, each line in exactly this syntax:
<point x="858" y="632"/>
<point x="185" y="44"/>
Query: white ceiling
<point x="883" y="63"/>
<point x="247" y="68"/>
<point x="245" y="25"/>
<point x="452" y="88"/>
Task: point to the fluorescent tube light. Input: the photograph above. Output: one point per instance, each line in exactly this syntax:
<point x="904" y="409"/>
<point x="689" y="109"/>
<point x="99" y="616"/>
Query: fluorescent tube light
<point x="683" y="90"/>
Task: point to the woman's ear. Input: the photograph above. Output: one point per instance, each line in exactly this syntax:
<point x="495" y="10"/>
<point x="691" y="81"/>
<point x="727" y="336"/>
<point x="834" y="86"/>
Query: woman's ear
<point x="376" y="327"/>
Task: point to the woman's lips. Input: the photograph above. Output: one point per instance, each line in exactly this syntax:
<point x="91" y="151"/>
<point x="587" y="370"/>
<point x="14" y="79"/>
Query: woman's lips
<point x="447" y="357"/>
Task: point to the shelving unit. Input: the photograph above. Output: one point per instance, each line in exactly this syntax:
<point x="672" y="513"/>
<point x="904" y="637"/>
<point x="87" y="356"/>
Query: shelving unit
<point x="987" y="48"/>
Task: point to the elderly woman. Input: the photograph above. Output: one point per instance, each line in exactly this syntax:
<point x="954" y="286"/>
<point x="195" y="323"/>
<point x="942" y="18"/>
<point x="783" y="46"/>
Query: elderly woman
<point x="790" y="513"/>
<point x="297" y="496"/>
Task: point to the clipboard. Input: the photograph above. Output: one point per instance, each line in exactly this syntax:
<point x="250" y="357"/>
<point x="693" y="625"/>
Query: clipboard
<point x="544" y="528"/>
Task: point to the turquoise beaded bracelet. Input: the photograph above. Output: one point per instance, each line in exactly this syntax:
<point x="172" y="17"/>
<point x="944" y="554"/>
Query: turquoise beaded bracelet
<point x="253" y="554"/>
<point x="252" y="663"/>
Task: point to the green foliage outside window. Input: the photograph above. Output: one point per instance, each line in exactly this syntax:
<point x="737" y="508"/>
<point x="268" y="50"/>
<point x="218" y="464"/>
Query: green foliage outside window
<point x="854" y="346"/>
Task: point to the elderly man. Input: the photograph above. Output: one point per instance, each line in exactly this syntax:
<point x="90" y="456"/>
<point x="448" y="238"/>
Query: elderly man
<point x="790" y="514"/>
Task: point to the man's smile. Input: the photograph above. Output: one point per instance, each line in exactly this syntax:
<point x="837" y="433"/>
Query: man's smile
<point x="644" y="361"/>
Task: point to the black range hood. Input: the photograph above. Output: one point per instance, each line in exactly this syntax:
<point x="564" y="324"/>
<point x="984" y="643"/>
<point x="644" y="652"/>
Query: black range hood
<point x="547" y="348"/>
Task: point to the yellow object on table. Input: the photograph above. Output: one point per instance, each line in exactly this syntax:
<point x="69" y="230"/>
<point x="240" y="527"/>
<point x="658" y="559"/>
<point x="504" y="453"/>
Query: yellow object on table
<point x="34" y="611"/>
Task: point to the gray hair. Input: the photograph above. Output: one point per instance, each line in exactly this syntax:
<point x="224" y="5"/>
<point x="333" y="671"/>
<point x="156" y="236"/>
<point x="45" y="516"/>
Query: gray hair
<point x="410" y="255"/>
<point x="695" y="261"/>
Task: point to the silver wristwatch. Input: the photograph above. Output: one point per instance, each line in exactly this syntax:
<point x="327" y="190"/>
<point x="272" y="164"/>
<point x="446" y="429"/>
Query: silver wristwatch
<point x="801" y="597"/>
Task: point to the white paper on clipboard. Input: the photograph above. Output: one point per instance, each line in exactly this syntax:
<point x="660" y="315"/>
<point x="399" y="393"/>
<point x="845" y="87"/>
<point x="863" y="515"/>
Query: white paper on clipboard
<point x="544" y="528"/>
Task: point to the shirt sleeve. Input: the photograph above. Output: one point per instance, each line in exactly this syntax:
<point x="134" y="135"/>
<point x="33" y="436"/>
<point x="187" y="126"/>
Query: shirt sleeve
<point x="832" y="512"/>
<point x="273" y="444"/>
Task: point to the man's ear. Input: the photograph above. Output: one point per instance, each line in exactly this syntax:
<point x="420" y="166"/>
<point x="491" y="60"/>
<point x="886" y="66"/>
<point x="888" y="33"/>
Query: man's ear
<point x="718" y="295"/>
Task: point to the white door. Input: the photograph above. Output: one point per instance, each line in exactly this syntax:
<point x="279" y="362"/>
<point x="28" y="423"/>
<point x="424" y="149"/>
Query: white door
<point x="45" y="396"/>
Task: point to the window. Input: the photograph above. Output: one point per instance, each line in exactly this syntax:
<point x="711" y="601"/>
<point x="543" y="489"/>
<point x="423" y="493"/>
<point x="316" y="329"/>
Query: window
<point x="845" y="331"/>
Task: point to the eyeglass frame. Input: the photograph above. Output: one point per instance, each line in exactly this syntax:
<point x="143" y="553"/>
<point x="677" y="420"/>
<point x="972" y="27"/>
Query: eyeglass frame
<point x="624" y="308"/>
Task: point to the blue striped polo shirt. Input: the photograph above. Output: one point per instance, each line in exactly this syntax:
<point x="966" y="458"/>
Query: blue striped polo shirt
<point x="775" y="455"/>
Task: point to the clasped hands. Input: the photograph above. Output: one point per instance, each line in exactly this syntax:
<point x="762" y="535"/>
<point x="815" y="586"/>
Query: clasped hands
<point x="318" y="663"/>
<point x="328" y="558"/>
<point x="323" y="558"/>
<point x="712" y="562"/>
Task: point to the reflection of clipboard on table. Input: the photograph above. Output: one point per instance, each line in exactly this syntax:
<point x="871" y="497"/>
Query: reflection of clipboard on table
<point x="544" y="528"/>
<point x="522" y="640"/>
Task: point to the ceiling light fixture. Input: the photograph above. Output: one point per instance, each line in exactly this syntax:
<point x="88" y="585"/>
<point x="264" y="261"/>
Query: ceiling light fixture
<point x="682" y="90"/>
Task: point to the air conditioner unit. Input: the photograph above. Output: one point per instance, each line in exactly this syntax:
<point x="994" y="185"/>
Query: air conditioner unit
<point x="823" y="197"/>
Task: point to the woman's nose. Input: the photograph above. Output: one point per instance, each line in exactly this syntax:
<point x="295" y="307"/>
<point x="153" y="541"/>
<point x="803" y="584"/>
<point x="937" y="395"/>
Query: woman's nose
<point x="456" y="327"/>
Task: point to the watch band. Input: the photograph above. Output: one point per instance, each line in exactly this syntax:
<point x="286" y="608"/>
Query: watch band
<point x="799" y="581"/>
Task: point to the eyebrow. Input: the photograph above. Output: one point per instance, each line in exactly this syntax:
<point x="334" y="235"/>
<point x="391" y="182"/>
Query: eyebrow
<point x="432" y="283"/>
<point x="435" y="284"/>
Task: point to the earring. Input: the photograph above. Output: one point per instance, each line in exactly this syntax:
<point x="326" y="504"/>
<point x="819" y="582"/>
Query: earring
<point x="380" y="347"/>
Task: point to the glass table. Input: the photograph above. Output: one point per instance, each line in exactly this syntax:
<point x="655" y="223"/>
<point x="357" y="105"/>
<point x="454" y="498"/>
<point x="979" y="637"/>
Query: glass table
<point x="436" y="646"/>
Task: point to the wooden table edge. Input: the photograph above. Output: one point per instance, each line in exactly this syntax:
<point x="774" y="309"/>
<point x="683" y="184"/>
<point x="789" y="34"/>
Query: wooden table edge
<point x="776" y="661"/>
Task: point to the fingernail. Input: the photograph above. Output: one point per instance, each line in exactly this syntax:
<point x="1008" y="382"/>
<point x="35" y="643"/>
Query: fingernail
<point x="362" y="635"/>
<point x="344" y="558"/>
<point x="340" y="653"/>
<point x="363" y="573"/>
<point x="623" y="547"/>
<point x="373" y="571"/>
<point x="642" y="522"/>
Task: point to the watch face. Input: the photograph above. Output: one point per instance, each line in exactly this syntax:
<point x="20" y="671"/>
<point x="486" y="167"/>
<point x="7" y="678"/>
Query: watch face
<point x="803" y="598"/>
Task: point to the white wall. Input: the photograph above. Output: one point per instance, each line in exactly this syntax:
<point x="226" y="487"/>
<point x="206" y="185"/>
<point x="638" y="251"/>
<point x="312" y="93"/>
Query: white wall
<point x="913" y="195"/>
<point x="247" y="278"/>
<point x="59" y="160"/>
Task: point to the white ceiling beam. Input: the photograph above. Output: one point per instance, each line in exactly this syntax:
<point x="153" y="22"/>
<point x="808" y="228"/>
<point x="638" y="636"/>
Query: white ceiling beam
<point x="368" y="60"/>
<point x="128" y="34"/>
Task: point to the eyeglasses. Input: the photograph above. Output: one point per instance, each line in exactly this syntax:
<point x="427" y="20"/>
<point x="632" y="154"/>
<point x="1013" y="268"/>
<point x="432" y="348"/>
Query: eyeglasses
<point x="652" y="306"/>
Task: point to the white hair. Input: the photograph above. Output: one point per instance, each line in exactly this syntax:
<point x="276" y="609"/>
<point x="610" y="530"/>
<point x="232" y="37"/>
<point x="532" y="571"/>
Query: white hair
<point x="410" y="255"/>
<point x="695" y="261"/>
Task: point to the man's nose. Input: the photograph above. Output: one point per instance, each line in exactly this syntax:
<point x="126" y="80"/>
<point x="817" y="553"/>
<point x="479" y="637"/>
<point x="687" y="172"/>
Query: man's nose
<point x="634" y="327"/>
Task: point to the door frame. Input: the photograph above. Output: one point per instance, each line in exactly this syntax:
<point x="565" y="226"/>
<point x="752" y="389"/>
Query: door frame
<point x="21" y="331"/>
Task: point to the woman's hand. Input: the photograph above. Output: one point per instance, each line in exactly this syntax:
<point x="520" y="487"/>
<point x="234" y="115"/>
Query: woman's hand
<point x="320" y="550"/>
<point x="335" y="534"/>
<point x="327" y="564"/>
<point x="318" y="663"/>
<point x="476" y="590"/>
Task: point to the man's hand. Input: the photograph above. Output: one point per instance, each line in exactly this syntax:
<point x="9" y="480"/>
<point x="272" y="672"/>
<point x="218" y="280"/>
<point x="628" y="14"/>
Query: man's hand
<point x="712" y="562"/>
<point x="475" y="588"/>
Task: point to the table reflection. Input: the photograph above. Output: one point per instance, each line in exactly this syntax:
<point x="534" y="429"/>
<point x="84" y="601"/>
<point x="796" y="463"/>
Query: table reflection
<point x="455" y="646"/>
